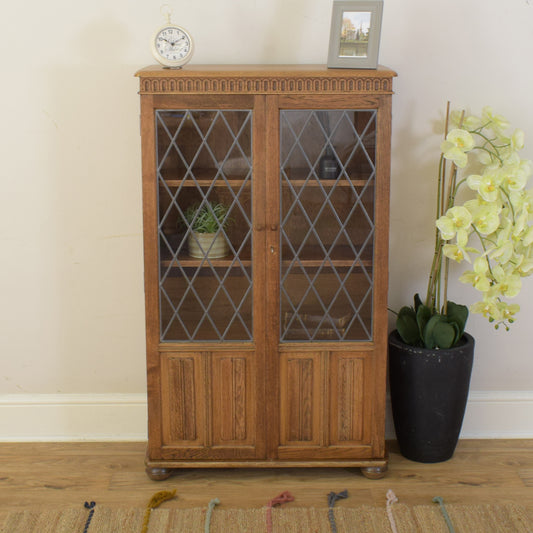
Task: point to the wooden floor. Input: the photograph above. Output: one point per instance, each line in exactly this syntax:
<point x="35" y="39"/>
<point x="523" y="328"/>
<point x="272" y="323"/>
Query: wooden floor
<point x="112" y="474"/>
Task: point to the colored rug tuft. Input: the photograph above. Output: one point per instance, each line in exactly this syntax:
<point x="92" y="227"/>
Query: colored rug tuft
<point x="505" y="518"/>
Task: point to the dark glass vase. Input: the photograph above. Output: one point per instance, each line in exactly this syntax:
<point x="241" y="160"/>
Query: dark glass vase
<point x="329" y="166"/>
<point x="429" y="390"/>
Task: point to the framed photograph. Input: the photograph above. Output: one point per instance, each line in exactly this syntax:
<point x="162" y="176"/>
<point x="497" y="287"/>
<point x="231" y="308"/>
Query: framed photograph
<point x="355" y="33"/>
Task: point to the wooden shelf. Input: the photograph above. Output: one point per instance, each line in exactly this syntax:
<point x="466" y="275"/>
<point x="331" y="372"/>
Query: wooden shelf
<point x="237" y="183"/>
<point x="311" y="258"/>
<point x="326" y="183"/>
<point x="298" y="176"/>
<point x="204" y="177"/>
<point x="186" y="261"/>
<point x="315" y="263"/>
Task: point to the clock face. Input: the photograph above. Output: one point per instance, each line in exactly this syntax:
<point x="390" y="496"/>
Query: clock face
<point x="172" y="46"/>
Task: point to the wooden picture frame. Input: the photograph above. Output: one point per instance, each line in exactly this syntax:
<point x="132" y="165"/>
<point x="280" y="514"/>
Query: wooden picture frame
<point x="355" y="34"/>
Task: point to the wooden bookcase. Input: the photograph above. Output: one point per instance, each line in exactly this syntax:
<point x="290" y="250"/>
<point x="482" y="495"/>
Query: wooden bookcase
<point x="275" y="353"/>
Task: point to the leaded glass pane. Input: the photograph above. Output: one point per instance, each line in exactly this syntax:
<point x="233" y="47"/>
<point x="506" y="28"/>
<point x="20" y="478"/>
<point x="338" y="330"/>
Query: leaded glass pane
<point x="204" y="161"/>
<point x="327" y="179"/>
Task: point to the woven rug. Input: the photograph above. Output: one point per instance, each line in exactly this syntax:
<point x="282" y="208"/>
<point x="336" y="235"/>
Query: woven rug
<point x="508" y="518"/>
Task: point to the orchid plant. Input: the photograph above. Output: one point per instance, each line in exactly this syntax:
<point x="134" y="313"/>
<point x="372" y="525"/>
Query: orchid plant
<point x="490" y="230"/>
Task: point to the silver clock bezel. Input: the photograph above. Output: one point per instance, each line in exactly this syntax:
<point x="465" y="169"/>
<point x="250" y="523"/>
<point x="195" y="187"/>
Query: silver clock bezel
<point x="167" y="62"/>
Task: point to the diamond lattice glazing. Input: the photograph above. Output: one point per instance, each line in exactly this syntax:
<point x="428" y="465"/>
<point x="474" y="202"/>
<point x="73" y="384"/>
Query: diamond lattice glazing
<point x="327" y="179"/>
<point x="204" y="157"/>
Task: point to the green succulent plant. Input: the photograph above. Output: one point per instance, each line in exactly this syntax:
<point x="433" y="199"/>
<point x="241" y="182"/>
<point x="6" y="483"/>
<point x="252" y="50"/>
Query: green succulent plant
<point x="421" y="326"/>
<point x="207" y="217"/>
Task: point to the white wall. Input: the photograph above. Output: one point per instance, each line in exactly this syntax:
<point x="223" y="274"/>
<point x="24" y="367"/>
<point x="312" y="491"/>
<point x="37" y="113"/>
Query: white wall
<point x="72" y="319"/>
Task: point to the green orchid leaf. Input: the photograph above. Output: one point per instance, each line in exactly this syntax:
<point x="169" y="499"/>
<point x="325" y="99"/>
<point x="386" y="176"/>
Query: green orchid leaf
<point x="458" y="333"/>
<point x="457" y="314"/>
<point x="429" y="340"/>
<point x="418" y="302"/>
<point x="423" y="315"/>
<point x="435" y="335"/>
<point x="444" y="334"/>
<point x="407" y="326"/>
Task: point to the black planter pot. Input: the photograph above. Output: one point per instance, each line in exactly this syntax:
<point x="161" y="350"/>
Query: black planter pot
<point x="429" y="389"/>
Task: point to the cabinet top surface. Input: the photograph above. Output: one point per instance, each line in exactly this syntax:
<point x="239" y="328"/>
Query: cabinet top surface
<point x="264" y="70"/>
<point x="264" y="79"/>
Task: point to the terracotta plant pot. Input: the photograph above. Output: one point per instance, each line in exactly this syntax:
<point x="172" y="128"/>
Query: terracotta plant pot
<point x="429" y="390"/>
<point x="210" y="245"/>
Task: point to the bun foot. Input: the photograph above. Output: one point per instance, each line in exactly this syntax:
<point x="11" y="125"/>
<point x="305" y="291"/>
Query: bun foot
<point x="374" y="472"/>
<point x="158" y="474"/>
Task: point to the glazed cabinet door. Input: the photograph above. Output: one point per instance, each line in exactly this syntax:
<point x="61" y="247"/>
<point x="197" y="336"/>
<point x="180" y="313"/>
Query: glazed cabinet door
<point x="204" y="287"/>
<point x="329" y="295"/>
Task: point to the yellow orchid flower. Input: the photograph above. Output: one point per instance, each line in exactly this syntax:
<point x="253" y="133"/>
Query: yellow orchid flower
<point x="515" y="181"/>
<point x="522" y="264"/>
<point x="456" y="219"/>
<point x="525" y="267"/>
<point x="452" y="153"/>
<point x="507" y="311"/>
<point x="497" y="123"/>
<point x="528" y="236"/>
<point x="517" y="140"/>
<point x="457" y="143"/>
<point x="508" y="285"/>
<point x="470" y="122"/>
<point x="477" y="277"/>
<point x="461" y="139"/>
<point x="488" y="308"/>
<point x="503" y="253"/>
<point x="486" y="218"/>
<point x="520" y="224"/>
<point x="455" y="252"/>
<point x="486" y="185"/>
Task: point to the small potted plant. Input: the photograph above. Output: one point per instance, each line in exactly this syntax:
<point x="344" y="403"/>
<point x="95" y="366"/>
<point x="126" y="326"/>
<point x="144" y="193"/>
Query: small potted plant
<point x="207" y="222"/>
<point x="430" y="355"/>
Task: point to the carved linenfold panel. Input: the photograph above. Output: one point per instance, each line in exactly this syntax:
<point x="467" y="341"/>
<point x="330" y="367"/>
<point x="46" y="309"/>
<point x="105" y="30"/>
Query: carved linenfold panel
<point x="265" y="85"/>
<point x="232" y="400"/>
<point x="300" y="394"/>
<point x="300" y="399"/>
<point x="349" y="388"/>
<point x="347" y="398"/>
<point x="181" y="379"/>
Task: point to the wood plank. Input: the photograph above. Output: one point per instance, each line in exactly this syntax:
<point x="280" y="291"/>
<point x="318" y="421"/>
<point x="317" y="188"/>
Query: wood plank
<point x="112" y="474"/>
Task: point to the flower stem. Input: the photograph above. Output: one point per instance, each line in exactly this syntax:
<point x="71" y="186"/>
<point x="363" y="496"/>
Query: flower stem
<point x="489" y="141"/>
<point x="434" y="274"/>
<point x="446" y="190"/>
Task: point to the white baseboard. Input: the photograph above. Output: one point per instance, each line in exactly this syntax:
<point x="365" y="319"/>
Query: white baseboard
<point x="122" y="417"/>
<point x="499" y="415"/>
<point x="73" y="417"/>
